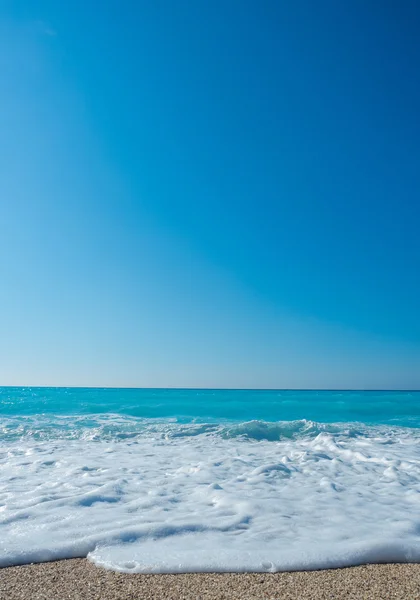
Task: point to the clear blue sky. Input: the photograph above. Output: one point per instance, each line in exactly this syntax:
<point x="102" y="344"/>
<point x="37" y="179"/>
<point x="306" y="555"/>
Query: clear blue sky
<point x="216" y="194"/>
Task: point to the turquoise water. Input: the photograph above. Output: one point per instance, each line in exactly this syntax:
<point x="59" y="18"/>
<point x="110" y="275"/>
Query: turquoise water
<point x="373" y="407"/>
<point x="157" y="481"/>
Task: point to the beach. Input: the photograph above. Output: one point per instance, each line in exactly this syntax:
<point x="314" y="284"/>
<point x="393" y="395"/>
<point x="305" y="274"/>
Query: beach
<point x="79" y="579"/>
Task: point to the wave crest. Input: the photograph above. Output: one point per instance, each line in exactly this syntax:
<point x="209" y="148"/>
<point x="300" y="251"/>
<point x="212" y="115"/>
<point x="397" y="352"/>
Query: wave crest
<point x="119" y="428"/>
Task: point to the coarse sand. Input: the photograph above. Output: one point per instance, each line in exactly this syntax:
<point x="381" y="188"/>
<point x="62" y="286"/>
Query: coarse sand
<point x="80" y="579"/>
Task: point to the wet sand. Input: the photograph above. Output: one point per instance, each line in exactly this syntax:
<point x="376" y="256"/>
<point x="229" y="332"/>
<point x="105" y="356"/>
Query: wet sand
<point x="79" y="579"/>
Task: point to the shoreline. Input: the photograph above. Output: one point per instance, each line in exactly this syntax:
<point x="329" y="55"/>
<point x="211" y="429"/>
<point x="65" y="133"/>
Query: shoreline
<point x="80" y="579"/>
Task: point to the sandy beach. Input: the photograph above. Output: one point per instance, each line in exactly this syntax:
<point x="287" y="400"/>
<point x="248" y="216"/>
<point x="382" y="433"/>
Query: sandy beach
<point x="79" y="579"/>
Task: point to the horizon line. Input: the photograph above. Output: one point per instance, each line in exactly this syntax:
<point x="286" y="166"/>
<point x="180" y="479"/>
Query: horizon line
<point x="221" y="389"/>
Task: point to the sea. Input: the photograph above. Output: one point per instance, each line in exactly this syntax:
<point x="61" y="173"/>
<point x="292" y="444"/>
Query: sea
<point x="169" y="481"/>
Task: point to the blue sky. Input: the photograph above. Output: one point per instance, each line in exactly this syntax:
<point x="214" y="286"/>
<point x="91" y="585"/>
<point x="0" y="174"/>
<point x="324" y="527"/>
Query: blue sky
<point x="216" y="194"/>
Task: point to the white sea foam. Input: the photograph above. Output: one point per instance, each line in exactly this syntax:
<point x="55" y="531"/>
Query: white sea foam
<point x="171" y="498"/>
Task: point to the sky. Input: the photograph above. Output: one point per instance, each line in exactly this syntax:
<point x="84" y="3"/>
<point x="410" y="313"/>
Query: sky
<point x="210" y="194"/>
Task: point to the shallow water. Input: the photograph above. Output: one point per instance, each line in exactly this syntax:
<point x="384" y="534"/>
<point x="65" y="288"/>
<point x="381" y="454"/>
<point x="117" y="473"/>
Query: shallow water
<point x="399" y="408"/>
<point x="170" y="481"/>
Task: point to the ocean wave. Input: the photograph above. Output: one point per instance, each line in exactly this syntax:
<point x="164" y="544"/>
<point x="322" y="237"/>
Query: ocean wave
<point x="159" y="496"/>
<point x="110" y="427"/>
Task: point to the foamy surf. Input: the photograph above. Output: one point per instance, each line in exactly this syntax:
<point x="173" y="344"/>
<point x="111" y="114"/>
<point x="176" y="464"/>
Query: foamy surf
<point x="155" y="496"/>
